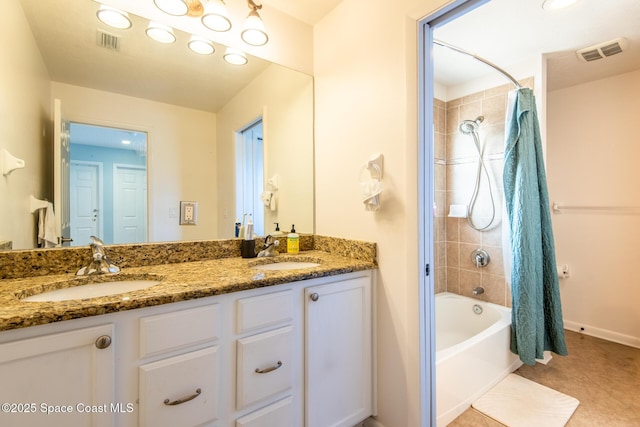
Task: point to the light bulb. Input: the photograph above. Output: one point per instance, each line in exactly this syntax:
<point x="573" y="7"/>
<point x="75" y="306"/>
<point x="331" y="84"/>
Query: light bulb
<point x="172" y="7"/>
<point x="215" y="16"/>
<point x="113" y="17"/>
<point x="160" y="33"/>
<point x="235" y="57"/>
<point x="253" y="32"/>
<point x="201" y="46"/>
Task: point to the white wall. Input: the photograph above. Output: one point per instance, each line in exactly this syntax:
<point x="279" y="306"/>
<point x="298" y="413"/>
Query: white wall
<point x="593" y="160"/>
<point x="284" y="98"/>
<point x="365" y="69"/>
<point x="24" y="127"/>
<point x="181" y="150"/>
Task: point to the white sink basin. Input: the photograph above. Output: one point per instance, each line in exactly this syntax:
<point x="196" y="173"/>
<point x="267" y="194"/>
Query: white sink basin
<point x="286" y="265"/>
<point x="92" y="290"/>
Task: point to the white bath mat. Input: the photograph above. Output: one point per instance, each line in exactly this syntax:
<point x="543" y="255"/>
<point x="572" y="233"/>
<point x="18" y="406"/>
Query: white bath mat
<point x="518" y="402"/>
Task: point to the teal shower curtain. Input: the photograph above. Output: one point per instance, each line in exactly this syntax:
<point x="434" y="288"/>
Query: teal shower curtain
<point x="536" y="310"/>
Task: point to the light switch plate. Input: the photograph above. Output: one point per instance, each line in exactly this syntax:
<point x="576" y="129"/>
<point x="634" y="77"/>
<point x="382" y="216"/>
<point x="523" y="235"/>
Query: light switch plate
<point x="188" y="213"/>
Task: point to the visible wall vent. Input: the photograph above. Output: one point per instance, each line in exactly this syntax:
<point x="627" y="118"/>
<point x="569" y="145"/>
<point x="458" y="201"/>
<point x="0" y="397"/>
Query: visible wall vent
<point x="602" y="50"/>
<point x="107" y="41"/>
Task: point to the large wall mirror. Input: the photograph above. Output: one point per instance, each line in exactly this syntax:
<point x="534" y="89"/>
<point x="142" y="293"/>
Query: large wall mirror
<point x="191" y="108"/>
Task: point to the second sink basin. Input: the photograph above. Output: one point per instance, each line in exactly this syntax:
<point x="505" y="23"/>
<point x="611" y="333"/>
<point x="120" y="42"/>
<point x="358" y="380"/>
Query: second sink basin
<point x="286" y="265"/>
<point x="92" y="290"/>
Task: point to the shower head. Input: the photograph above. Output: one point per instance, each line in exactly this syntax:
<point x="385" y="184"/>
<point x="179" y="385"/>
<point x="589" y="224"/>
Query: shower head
<point x="469" y="126"/>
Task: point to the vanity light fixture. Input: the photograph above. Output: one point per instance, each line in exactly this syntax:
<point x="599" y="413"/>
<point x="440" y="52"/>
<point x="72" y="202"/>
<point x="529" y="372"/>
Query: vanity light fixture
<point x="201" y="46"/>
<point x="125" y="142"/>
<point x="160" y="32"/>
<point x="235" y="57"/>
<point x="253" y="32"/>
<point x="172" y="7"/>
<point x="216" y="17"/>
<point x="113" y="17"/>
<point x="557" y="4"/>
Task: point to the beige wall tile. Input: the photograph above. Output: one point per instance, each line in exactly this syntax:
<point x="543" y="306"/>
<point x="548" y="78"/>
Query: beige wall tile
<point x="494" y="109"/>
<point x="494" y="289"/>
<point x="452" y="230"/>
<point x="468" y="281"/>
<point x="453" y="280"/>
<point x="453" y="254"/>
<point x="473" y="97"/>
<point x="468" y="234"/>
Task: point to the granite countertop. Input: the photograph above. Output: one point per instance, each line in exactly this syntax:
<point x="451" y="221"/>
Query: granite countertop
<point x="179" y="282"/>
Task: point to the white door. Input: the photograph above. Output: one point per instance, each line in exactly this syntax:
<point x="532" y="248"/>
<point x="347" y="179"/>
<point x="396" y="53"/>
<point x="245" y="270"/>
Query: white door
<point x="85" y="198"/>
<point x="129" y="204"/>
<point x="61" y="154"/>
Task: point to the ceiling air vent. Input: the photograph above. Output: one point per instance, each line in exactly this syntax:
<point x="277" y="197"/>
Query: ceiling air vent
<point x="602" y="50"/>
<point x="107" y="41"/>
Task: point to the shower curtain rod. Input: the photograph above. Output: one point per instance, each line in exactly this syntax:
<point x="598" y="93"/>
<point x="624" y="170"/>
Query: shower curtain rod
<point x="490" y="64"/>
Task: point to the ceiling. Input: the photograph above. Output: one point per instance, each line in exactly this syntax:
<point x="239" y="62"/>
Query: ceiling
<point x="509" y="33"/>
<point x="66" y="32"/>
<point x="515" y="33"/>
<point x="308" y="11"/>
<point x="512" y="32"/>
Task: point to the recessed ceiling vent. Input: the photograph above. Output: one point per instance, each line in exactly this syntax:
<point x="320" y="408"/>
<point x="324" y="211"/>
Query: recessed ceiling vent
<point x="107" y="41"/>
<point x="602" y="50"/>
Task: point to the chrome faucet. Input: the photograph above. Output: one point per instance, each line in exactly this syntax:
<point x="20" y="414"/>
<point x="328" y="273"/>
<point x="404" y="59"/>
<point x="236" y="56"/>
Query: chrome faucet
<point x="268" y="249"/>
<point x="477" y="291"/>
<point x="100" y="263"/>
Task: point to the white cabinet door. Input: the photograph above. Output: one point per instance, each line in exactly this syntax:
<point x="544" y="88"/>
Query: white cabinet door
<point x="60" y="379"/>
<point x="339" y="353"/>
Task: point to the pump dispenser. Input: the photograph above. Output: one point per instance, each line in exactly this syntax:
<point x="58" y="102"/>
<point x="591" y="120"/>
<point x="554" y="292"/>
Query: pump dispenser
<point x="293" y="241"/>
<point x="277" y="231"/>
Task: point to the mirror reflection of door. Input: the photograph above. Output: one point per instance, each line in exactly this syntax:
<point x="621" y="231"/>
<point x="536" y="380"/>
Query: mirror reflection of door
<point x="108" y="184"/>
<point x="250" y="175"/>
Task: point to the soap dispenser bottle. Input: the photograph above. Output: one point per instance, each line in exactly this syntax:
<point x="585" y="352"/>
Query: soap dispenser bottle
<point x="277" y="231"/>
<point x="293" y="241"/>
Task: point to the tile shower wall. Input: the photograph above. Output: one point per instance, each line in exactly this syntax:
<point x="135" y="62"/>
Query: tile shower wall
<point x="456" y="165"/>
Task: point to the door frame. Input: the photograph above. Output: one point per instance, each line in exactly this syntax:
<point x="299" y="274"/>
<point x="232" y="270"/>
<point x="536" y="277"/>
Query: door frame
<point x="426" y="291"/>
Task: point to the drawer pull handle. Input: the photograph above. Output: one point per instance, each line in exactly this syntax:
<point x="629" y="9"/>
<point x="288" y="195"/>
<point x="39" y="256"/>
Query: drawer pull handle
<point x="314" y="297"/>
<point x="183" y="400"/>
<point x="269" y="369"/>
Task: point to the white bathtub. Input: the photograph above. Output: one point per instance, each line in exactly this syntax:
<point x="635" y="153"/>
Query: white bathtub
<point x="472" y="352"/>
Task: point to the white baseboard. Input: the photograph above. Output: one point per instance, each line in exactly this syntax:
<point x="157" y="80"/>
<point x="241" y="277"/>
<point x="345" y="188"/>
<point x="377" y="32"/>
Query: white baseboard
<point x="602" y="333"/>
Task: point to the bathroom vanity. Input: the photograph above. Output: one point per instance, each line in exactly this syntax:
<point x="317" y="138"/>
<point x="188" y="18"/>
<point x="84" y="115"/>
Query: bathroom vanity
<point x="217" y="343"/>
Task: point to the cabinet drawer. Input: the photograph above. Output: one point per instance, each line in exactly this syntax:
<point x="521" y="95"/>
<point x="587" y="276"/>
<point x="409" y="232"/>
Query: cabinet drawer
<point x="277" y="414"/>
<point x="181" y="390"/>
<point x="264" y="365"/>
<point x="178" y="329"/>
<point x="264" y="310"/>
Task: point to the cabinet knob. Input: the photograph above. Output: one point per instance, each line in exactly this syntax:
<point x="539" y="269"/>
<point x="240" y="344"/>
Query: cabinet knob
<point x="103" y="342"/>
<point x="314" y="297"/>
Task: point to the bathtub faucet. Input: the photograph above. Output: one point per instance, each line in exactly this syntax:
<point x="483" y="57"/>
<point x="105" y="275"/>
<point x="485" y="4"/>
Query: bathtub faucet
<point x="477" y="291"/>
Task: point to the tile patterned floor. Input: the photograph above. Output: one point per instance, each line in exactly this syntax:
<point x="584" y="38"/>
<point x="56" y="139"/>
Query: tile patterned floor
<point x="603" y="376"/>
